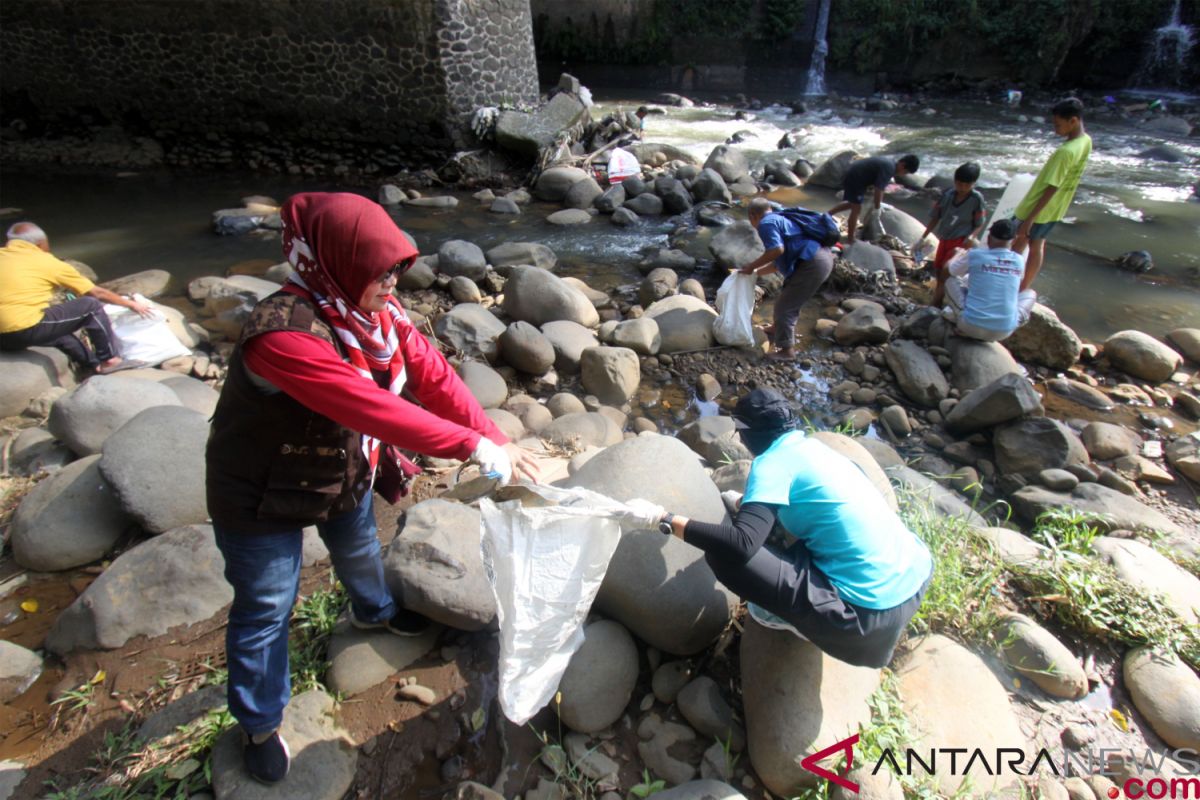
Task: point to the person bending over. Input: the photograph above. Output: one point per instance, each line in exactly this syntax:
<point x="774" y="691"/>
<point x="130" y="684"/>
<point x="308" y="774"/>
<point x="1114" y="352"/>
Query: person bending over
<point x="29" y="276"/>
<point x="870" y="173"/>
<point x="852" y="576"/>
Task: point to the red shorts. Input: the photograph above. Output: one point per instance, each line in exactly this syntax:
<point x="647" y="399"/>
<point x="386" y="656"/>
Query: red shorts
<point x="945" y="250"/>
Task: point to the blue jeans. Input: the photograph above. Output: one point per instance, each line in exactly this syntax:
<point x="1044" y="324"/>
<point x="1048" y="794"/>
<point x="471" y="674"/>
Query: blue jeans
<point x="264" y="571"/>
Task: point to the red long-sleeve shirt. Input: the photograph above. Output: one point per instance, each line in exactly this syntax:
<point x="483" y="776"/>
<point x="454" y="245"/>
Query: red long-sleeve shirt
<point x="311" y="371"/>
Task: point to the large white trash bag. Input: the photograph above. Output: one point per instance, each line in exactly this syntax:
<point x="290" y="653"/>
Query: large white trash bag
<point x="141" y="339"/>
<point x="735" y="311"/>
<point x="545" y="560"/>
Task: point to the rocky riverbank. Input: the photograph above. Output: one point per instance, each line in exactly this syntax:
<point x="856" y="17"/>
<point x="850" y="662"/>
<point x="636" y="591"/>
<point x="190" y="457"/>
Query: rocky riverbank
<point x="1054" y="479"/>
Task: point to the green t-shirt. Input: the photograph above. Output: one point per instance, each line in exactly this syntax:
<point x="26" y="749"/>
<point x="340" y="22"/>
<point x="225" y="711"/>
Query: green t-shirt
<point x="1062" y="170"/>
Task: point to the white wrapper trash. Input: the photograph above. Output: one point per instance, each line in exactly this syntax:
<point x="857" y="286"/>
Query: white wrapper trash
<point x="734" y="324"/>
<point x="546" y="557"/>
<point x="141" y="339"/>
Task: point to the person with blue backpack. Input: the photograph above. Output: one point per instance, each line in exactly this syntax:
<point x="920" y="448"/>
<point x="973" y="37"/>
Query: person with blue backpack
<point x="797" y="243"/>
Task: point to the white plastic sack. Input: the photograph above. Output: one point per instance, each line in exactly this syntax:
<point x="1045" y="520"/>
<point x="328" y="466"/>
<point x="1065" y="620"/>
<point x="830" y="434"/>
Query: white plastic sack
<point x="545" y="564"/>
<point x="735" y="311"/>
<point x="141" y="339"/>
<point x="621" y="165"/>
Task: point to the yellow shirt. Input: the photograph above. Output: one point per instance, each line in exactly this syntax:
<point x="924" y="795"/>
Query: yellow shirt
<point x="28" y="278"/>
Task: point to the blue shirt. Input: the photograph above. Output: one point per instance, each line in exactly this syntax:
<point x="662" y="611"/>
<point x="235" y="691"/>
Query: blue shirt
<point x="995" y="280"/>
<point x="830" y="505"/>
<point x="776" y="230"/>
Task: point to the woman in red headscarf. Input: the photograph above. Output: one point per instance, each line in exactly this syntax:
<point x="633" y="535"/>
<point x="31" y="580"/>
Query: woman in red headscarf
<point x="312" y="396"/>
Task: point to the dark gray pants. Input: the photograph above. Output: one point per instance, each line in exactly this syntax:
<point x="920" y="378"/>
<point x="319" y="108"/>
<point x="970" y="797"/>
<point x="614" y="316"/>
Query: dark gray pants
<point x="800" y="286"/>
<point x="792" y="587"/>
<point x="57" y="329"/>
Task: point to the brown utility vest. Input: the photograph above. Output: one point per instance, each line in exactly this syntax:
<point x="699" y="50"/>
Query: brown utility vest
<point x="272" y="464"/>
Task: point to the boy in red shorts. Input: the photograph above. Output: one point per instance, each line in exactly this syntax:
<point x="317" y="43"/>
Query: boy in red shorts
<point x="957" y="220"/>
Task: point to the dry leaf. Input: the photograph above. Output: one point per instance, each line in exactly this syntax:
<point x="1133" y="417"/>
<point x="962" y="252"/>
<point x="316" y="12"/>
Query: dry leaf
<point x="29" y="606"/>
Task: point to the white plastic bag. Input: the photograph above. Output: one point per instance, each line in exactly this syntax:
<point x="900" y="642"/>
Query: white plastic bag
<point x="545" y="564"/>
<point x="735" y="311"/>
<point x="621" y="165"/>
<point x="141" y="339"/>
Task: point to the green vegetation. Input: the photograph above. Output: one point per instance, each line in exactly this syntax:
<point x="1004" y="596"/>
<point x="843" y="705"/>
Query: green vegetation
<point x="1066" y="529"/>
<point x="312" y="625"/>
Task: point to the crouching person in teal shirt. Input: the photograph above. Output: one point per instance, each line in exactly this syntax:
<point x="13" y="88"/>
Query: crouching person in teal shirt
<point x="852" y="576"/>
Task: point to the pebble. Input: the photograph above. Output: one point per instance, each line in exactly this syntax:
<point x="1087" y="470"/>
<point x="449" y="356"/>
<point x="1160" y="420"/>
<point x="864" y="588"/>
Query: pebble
<point x="1077" y="737"/>
<point x="421" y="694"/>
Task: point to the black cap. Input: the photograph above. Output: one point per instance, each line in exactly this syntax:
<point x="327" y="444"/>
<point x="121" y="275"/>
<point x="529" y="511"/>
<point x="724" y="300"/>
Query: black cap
<point x="764" y="410"/>
<point x="642" y="111"/>
<point x="1003" y="229"/>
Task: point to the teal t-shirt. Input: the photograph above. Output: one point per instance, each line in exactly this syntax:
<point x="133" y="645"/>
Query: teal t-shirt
<point x="827" y="502"/>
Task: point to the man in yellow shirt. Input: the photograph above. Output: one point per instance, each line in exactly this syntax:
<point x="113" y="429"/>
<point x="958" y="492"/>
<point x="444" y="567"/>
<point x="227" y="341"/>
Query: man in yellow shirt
<point x="1048" y="199"/>
<point x="28" y="277"/>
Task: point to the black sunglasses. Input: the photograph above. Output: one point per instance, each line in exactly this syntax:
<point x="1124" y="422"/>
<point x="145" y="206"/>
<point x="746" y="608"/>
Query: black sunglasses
<point x="397" y="269"/>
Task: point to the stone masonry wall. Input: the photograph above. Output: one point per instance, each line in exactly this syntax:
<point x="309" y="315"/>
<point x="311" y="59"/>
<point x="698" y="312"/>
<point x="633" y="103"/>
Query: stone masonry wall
<point x="397" y="72"/>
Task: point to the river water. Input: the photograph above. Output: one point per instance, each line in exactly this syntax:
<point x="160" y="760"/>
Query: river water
<point x="120" y="223"/>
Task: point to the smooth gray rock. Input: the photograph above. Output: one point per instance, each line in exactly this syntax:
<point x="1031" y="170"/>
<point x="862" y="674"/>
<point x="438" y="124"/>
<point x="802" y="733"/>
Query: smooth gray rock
<point x="624" y="217"/>
<point x="580" y="430"/>
<point x="1144" y="567"/>
<point x="148" y="283"/>
<point x="1034" y="652"/>
<point x="508" y="423"/>
<point x="12" y="775"/>
<point x="870" y="257"/>
<point x="569" y="340"/>
<point x="1080" y="393"/>
<point x="659" y="283"/>
<point x="1184" y="455"/>
<point x="72" y="518"/>
<point x="538" y="296"/>
<point x="645" y="205"/>
<point x="675" y="197"/>
<point x="639" y="335"/>
<point x="667" y="258"/>
<point x="457" y="257"/>
<point x="504" y="205"/>
<point x="194" y="394"/>
<point x="569" y="216"/>
<point x="733" y="476"/>
<point x="1045" y="340"/>
<point x="35" y="450"/>
<point x="852" y="448"/>
<point x="1099" y="505"/>
<point x="434" y="567"/>
<point x="917" y="373"/>
<point x="511" y="254"/>
<point x="464" y="290"/>
<point x="1059" y="480"/>
<point x="658" y="587"/>
<point x="89" y="414"/>
<point x="729" y="163"/>
<point x="736" y="245"/>
<point x="610" y="200"/>
<point x="360" y="659"/>
<point x="668" y="749"/>
<point x="611" y="373"/>
<point x="25" y="374"/>
<point x="703" y="432"/>
<point x="1186" y="341"/>
<point x="684" y="323"/>
<point x="323" y="757"/>
<point x="582" y="194"/>
<point x="864" y="325"/>
<point x="554" y="183"/>
<point x="485" y="383"/>
<point x="780" y="173"/>
<point x="1004" y="399"/>
<point x="155" y="464"/>
<point x="1028" y="446"/>
<point x="19" y="668"/>
<point x="975" y="364"/>
<point x="420" y="275"/>
<point x="832" y="171"/>
<point x="709" y="185"/>
<point x="472" y="330"/>
<point x="1167" y="692"/>
<point x="797" y="700"/>
<point x="1106" y="440"/>
<point x="565" y="403"/>
<point x="925" y="489"/>
<point x="701" y="704"/>
<point x="177" y="578"/>
<point x="599" y="679"/>
<point x="527" y="349"/>
<point x="669" y="679"/>
<point x="1141" y="355"/>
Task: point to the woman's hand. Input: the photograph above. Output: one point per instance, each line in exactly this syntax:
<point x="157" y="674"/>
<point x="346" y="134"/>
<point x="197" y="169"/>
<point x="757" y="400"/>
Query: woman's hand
<point x="523" y="462"/>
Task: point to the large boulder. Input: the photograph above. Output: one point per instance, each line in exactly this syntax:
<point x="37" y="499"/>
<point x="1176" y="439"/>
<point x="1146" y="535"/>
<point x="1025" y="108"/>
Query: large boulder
<point x="658" y="284"/>
<point x="939" y="679"/>
<point x="975" y="364"/>
<point x="1097" y="505"/>
<point x="611" y="199"/>
<point x="864" y="325"/>
<point x="1006" y="398"/>
<point x="674" y="194"/>
<point x="702" y="433"/>
<point x="832" y="171"/>
<point x="538" y="296"/>
<point x="917" y="373"/>
<point x="526" y="133"/>
<point x="69" y="519"/>
<point x="728" y="162"/>
<point x="582" y="194"/>
<point x="599" y="679"/>
<point x="1186" y="341"/>
<point x="1141" y="355"/>
<point x="1184" y="455"/>
<point x="902" y="225"/>
<point x="870" y="257"/>
<point x="34" y="450"/>
<point x="194" y="394"/>
<point x="323" y="757"/>
<point x="510" y="254"/>
<point x="645" y="205"/>
<point x="25" y="374"/>
<point x="148" y="283"/>
<point x="684" y="323"/>
<point x="657" y="586"/>
<point x="433" y="566"/>
<point x="527" y="349"/>
<point x="1107" y="440"/>
<point x="89" y="414"/>
<point x="1167" y="692"/>
<point x="1034" y="652"/>
<point x="797" y="700"/>
<point x="579" y="430"/>
<point x="639" y="335"/>
<point x="611" y="373"/>
<point x="709" y="185"/>
<point x="554" y="183"/>
<point x="155" y="463"/>
<point x="472" y="330"/>
<point x="484" y="383"/>
<point x="177" y="578"/>
<point x="1028" y="446"/>
<point x="569" y="340"/>
<point x="457" y="257"/>
<point x="736" y="245"/>
<point x="361" y="659"/>
<point x="1140" y="565"/>
<point x="1045" y="340"/>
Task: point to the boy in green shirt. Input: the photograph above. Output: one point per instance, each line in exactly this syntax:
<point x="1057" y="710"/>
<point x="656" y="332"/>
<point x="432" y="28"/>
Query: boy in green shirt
<point x="1048" y="199"/>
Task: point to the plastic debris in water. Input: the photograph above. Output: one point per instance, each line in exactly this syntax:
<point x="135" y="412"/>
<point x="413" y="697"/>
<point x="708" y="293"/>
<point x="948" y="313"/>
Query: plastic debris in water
<point x="29" y="606"/>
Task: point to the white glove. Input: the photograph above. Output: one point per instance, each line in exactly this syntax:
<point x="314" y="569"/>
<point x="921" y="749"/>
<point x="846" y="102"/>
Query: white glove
<point x="493" y="460"/>
<point x="642" y="514"/>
